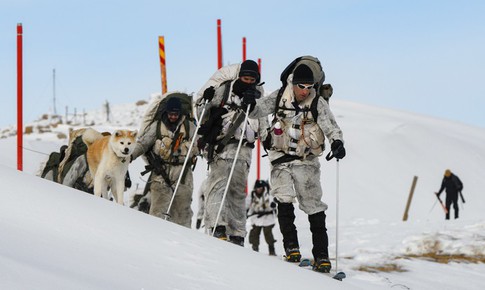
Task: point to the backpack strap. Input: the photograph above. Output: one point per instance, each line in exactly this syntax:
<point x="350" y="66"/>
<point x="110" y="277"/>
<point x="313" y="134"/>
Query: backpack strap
<point x="231" y="131"/>
<point x="278" y="99"/>
<point x="314" y="106"/>
<point x="225" y="95"/>
<point x="187" y="128"/>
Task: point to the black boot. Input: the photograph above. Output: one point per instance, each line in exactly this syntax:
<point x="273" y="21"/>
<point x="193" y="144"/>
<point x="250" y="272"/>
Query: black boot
<point x="322" y="265"/>
<point x="237" y="240"/>
<point x="286" y="219"/>
<point x="319" y="235"/>
<point x="220" y="233"/>
<point x="254" y="237"/>
<point x="271" y="250"/>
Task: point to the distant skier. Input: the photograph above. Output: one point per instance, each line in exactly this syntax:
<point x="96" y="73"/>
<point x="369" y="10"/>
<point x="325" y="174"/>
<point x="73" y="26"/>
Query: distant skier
<point x="453" y="186"/>
<point x="261" y="212"/>
<point x="297" y="140"/>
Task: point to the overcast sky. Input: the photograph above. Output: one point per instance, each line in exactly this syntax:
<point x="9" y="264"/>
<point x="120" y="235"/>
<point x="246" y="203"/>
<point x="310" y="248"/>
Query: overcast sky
<point x="419" y="56"/>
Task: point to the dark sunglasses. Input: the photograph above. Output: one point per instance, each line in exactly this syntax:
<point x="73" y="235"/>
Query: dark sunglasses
<point x="173" y="114"/>
<point x="309" y="87"/>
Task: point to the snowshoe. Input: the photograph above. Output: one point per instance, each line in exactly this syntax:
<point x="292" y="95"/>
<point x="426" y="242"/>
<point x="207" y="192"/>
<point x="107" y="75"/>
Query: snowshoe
<point x="293" y="255"/>
<point x="322" y="265"/>
<point x="237" y="240"/>
<point x="220" y="233"/>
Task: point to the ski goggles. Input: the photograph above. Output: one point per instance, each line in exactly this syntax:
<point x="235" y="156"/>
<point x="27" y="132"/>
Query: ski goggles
<point x="308" y="87"/>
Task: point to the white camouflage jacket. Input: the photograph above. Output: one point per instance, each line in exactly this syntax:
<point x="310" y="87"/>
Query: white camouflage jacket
<point x="326" y="120"/>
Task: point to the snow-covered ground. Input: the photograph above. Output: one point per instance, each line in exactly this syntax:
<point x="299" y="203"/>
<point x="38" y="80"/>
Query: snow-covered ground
<point x="57" y="237"/>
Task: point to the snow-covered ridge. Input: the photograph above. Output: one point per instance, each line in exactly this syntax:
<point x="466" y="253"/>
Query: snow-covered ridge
<point x="385" y="150"/>
<point x="125" y="115"/>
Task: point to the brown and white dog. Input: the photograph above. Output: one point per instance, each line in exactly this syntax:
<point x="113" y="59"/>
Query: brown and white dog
<point x="108" y="158"/>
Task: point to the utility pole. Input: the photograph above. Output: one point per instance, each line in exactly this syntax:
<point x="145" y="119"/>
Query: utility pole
<point x="107" y="110"/>
<point x="54" y="90"/>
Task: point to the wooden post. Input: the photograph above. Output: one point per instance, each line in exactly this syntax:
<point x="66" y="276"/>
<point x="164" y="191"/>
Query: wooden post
<point x="410" y="197"/>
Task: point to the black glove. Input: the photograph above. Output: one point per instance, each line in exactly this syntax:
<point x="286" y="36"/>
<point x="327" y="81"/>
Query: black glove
<point x="338" y="149"/>
<point x="197" y="224"/>
<point x="127" y="180"/>
<point x="249" y="98"/>
<point x="273" y="204"/>
<point x="203" y="130"/>
<point x="209" y="93"/>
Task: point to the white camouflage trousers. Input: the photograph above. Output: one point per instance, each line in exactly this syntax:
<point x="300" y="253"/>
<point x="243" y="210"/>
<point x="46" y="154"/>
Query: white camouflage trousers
<point x="161" y="194"/>
<point x="299" y="179"/>
<point x="233" y="214"/>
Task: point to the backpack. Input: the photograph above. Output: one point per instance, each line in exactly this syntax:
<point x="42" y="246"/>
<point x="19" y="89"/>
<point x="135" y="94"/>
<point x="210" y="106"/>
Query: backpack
<point x="157" y="108"/>
<point x="323" y="90"/>
<point x="154" y="113"/>
<point x="79" y="140"/>
<point x="312" y="62"/>
<point x="77" y="148"/>
<point x="457" y="182"/>
<point x="52" y="163"/>
<point x="222" y="75"/>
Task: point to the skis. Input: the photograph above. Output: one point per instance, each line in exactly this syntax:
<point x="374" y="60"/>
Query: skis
<point x="441" y="202"/>
<point x="462" y="198"/>
<point x="307" y="263"/>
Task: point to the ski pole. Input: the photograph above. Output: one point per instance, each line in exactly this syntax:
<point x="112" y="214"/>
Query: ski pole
<point x="441" y="202"/>
<point x="232" y="168"/>
<point x="462" y="198"/>
<point x="338" y="275"/>
<point x="337" y="215"/>
<point x="434" y="204"/>
<point x="187" y="157"/>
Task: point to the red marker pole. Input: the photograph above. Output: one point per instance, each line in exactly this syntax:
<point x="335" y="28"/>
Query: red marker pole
<point x="219" y="44"/>
<point x="163" y="65"/>
<point x="20" y="125"/>
<point x="243" y="48"/>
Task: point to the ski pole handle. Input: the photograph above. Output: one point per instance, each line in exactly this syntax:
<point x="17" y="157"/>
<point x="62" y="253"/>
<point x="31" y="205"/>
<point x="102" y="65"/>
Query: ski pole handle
<point x="330" y="156"/>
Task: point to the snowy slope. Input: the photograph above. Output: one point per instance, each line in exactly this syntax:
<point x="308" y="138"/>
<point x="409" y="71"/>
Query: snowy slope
<point x="385" y="150"/>
<point x="54" y="237"/>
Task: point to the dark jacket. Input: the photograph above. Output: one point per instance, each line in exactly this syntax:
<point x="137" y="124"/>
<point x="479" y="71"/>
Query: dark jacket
<point x="452" y="184"/>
